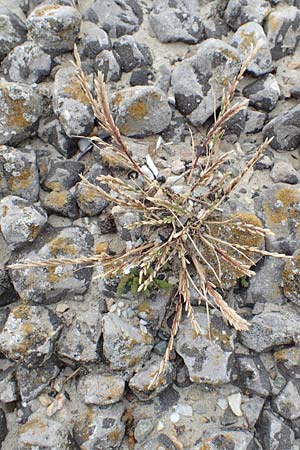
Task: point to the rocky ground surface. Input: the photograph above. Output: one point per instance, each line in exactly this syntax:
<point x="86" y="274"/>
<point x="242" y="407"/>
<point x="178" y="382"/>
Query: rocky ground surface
<point x="76" y="359"/>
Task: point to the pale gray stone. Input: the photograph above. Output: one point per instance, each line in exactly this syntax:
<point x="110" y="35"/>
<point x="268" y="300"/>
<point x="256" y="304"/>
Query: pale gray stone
<point x="283" y="172"/>
<point x="106" y="63"/>
<point x="239" y="12"/>
<point x="92" y="40"/>
<point x="101" y="389"/>
<point x="13" y="31"/>
<point x="287" y="403"/>
<point x="273" y="433"/>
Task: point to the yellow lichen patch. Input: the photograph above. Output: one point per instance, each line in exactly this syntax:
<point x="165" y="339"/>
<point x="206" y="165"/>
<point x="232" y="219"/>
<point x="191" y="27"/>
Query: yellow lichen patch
<point x="54" y="186"/>
<point x="53" y="276"/>
<point x="88" y="195"/>
<point x="247" y="39"/>
<point x="230" y="55"/>
<point x="21" y="181"/>
<point x="138" y="109"/>
<point x="48" y="9"/>
<point x="34" y="231"/>
<point x="56" y="198"/>
<point x="16" y="110"/>
<point x="114" y="435"/>
<point x="291" y="278"/>
<point x="34" y="425"/>
<point x="22" y="312"/>
<point x="61" y="245"/>
<point x="100" y="247"/>
<point x="282" y="208"/>
<point x="274" y="23"/>
<point x="117" y="99"/>
<point x="74" y="90"/>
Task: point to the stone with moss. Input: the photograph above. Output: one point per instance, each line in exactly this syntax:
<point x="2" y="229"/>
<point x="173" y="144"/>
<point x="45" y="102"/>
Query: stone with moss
<point x="89" y="201"/>
<point x="291" y="278"/>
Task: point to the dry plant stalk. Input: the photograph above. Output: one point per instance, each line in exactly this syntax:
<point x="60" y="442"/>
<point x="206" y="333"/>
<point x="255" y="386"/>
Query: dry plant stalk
<point x="195" y="226"/>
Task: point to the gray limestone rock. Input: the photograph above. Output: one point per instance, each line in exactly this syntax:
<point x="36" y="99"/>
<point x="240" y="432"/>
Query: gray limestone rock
<point x="288" y="361"/>
<point x="176" y="20"/>
<point x="106" y="63"/>
<point x="70" y="103"/>
<point x="141" y="111"/>
<point x="288" y="76"/>
<point x="20" y="111"/>
<point x="62" y="203"/>
<point x="263" y="93"/>
<point x="125" y="345"/>
<point x="130" y="53"/>
<point x="198" y="81"/>
<point x="19" y="173"/>
<point x="92" y="40"/>
<point x="101" y="389"/>
<point x="8" y="387"/>
<point x="266" y="161"/>
<point x="287" y="403"/>
<point x="273" y="433"/>
<point x="29" y="334"/>
<point x="27" y="63"/>
<point x="116" y="17"/>
<point x="252" y="376"/>
<point x="283" y="172"/>
<point x="252" y="408"/>
<point x="63" y="175"/>
<point x="254" y="122"/>
<point x="282" y="30"/>
<point x="270" y="329"/>
<point x="100" y="428"/>
<point x="13" y="31"/>
<point x="285" y="129"/>
<point x="208" y="360"/>
<point x="239" y="12"/>
<point x="89" y="201"/>
<point x="20" y="221"/>
<point x="51" y="131"/>
<point x="51" y="284"/>
<point x="54" y="27"/>
<point x="250" y="34"/>
<point x="220" y="439"/>
<point x="32" y="381"/>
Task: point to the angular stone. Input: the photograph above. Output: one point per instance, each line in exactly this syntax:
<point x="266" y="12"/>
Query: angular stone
<point x="288" y="76"/>
<point x="51" y="284"/>
<point x="288" y="361"/>
<point x="249" y="35"/>
<point x="20" y="108"/>
<point x="130" y="53"/>
<point x="252" y="407"/>
<point x="283" y="172"/>
<point x="8" y="388"/>
<point x="115" y="17"/>
<point x="263" y="93"/>
<point x="273" y="433"/>
<point x="139" y="383"/>
<point x="100" y="428"/>
<point x="255" y="121"/>
<point x="54" y="27"/>
<point x="239" y="12"/>
<point x="62" y="203"/>
<point x="21" y="222"/>
<point x="89" y="200"/>
<point x="63" y="175"/>
<point x="143" y="76"/>
<point x="287" y="403"/>
<point x="291" y="278"/>
<point x="33" y="381"/>
<point x="141" y="111"/>
<point x="101" y="390"/>
<point x="29" y="334"/>
<point x="282" y="29"/>
<point x="226" y="439"/>
<point x="13" y="31"/>
<point x="42" y="433"/>
<point x="70" y="103"/>
<point x="52" y="132"/>
<point x="176" y="20"/>
<point x="161" y="442"/>
<point x="252" y="376"/>
<point x="19" y="173"/>
<point x="124" y="344"/>
<point x="92" y="40"/>
<point x="198" y="82"/>
<point x="106" y="63"/>
<point x="208" y="360"/>
<point x="270" y="329"/>
<point x="27" y="63"/>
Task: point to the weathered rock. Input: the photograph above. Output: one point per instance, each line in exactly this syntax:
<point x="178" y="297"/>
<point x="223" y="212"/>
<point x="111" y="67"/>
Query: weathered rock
<point x="140" y="111"/>
<point x="266" y="161"/>
<point x="221" y="439"/>
<point x="21" y="222"/>
<point x="33" y="381"/>
<point x="263" y="93"/>
<point x="27" y="63"/>
<point x="142" y="77"/>
<point x="237" y="13"/>
<point x="270" y="329"/>
<point x="208" y="360"/>
<point x="80" y="338"/>
<point x="252" y="376"/>
<point x="8" y="388"/>
<point x="3" y="426"/>
<point x="235" y="126"/>
<point x="291" y="278"/>
<point x="62" y="203"/>
<point x="249" y="35"/>
<point x="161" y="442"/>
<point x="176" y="20"/>
<point x="254" y="121"/>
<point x="131" y="53"/>
<point x="198" y="82"/>
<point x="7" y="293"/>
<point x="288" y="361"/>
<point x="273" y="433"/>
<point x="252" y="408"/>
<point x="106" y="63"/>
<point x="100" y="428"/>
<point x="52" y="132"/>
<point x="140" y="382"/>
<point x="29" y="334"/>
<point x="42" y="433"/>
<point x="92" y="40"/>
<point x="20" y="108"/>
<point x="124" y="344"/>
<point x="143" y="429"/>
<point x="101" y="390"/>
<point x="287" y="403"/>
<point x="13" y="31"/>
<point x="70" y="103"/>
<point x="54" y="27"/>
<point x="50" y="284"/>
<point x="115" y="17"/>
<point x="63" y="175"/>
<point x="282" y="29"/>
<point x="89" y="200"/>
<point x="283" y="172"/>
<point x="19" y="173"/>
<point x="288" y="76"/>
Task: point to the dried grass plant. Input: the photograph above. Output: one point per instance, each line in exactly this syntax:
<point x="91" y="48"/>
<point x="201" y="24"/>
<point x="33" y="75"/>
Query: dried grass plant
<point x="202" y="245"/>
